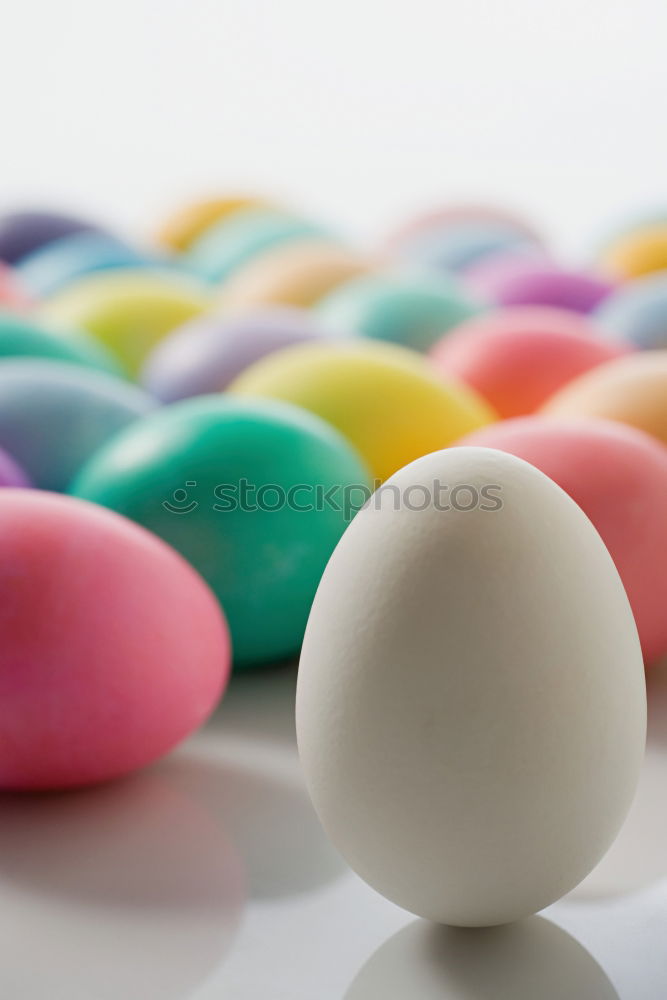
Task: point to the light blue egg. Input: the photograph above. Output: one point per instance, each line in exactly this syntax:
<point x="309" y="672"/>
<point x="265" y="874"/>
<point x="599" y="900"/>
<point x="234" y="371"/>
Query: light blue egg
<point x="463" y="244"/>
<point x="55" y="415"/>
<point x="233" y="242"/>
<point x="637" y="312"/>
<point x="411" y="311"/>
<point x="52" y="267"/>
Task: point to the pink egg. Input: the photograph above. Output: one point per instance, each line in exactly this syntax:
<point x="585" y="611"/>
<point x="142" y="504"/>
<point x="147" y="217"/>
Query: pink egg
<point x="513" y="279"/>
<point x="112" y="648"/>
<point x="618" y="476"/>
<point x="11" y="294"/>
<point x="517" y="358"/>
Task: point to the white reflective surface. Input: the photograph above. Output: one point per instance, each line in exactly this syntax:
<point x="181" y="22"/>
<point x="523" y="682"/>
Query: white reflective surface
<point x="208" y="877"/>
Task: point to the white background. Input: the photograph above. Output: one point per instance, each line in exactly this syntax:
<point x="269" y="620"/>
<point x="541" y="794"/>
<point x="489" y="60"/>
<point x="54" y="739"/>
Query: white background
<point x="357" y="111"/>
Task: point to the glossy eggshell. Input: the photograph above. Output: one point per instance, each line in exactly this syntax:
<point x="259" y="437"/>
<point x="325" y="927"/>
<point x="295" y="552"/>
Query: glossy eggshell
<point x="642" y="251"/>
<point x="637" y="313"/>
<point x="414" y="312"/>
<point x="55" y="415"/>
<point x="10" y="472"/>
<point x="191" y="221"/>
<point x="471" y="705"/>
<point x="632" y="390"/>
<point x="22" y="336"/>
<point x="207" y="353"/>
<point x="618" y="476"/>
<point x="192" y="473"/>
<point x="112" y="649"/>
<point x="127" y="311"/>
<point x="387" y="401"/>
<point x="517" y="358"/>
<point x="49" y="268"/>
<point x="526" y="280"/>
<point x="297" y="274"/>
<point x="23" y="232"/>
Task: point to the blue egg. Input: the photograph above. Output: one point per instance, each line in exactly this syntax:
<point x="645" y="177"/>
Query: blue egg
<point x="55" y="415"/>
<point x="52" y="267"/>
<point x="463" y="244"/>
<point x="637" y="312"/>
<point x="233" y="242"/>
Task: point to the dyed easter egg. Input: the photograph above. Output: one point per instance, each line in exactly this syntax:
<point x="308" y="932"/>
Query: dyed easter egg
<point x="127" y="311"/>
<point x="618" y="476"/>
<point x="517" y="358"/>
<point x="12" y="294"/>
<point x="441" y="220"/>
<point x="24" y="337"/>
<point x="112" y="648"/>
<point x="254" y="494"/>
<point x="471" y="702"/>
<point x="641" y="251"/>
<point x="527" y="279"/>
<point x="414" y="312"/>
<point x="23" y="232"/>
<point x="208" y="352"/>
<point x="294" y="275"/>
<point x="632" y="390"/>
<point x="387" y="401"/>
<point x="188" y="223"/>
<point x="460" y="246"/>
<point x="54" y="266"/>
<point x="10" y="472"/>
<point x="637" y="312"/>
<point x="55" y="415"/>
<point x="228" y="245"/>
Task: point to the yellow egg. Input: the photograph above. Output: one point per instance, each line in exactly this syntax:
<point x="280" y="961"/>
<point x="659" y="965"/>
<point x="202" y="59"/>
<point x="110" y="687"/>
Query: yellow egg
<point x="640" y="252"/>
<point x="127" y="311"/>
<point x="386" y="400"/>
<point x="296" y="274"/>
<point x="188" y="223"/>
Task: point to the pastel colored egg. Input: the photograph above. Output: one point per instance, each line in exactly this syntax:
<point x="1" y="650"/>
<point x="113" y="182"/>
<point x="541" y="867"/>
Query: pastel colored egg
<point x="641" y="251"/>
<point x="520" y="280"/>
<point x="231" y="243"/>
<point x="294" y="275"/>
<point x="440" y="220"/>
<point x="637" y="312"/>
<point x="240" y="489"/>
<point x="49" y="268"/>
<point x="618" y="476"/>
<point x="632" y="390"/>
<point x="188" y="223"/>
<point x="208" y="352"/>
<point x="388" y="401"/>
<point x="12" y="294"/>
<point x="21" y="336"/>
<point x="10" y="472"/>
<point x="414" y="312"/>
<point x="459" y="247"/>
<point x="517" y="358"/>
<point x="55" y="415"/>
<point x="112" y="649"/>
<point x="23" y="232"/>
<point x="127" y="311"/>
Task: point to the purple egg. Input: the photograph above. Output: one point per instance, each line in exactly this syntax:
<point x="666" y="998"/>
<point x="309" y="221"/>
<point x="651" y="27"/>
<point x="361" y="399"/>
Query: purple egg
<point x="23" y="232"/>
<point x="522" y="280"/>
<point x="10" y="473"/>
<point x="207" y="353"/>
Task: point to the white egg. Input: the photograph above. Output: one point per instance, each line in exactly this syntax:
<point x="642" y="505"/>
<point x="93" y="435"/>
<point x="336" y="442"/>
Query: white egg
<point x="471" y="705"/>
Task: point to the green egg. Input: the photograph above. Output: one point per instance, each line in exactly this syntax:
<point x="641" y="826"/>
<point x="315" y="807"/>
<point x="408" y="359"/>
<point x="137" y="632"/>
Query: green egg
<point x="255" y="494"/>
<point x="21" y="337"/>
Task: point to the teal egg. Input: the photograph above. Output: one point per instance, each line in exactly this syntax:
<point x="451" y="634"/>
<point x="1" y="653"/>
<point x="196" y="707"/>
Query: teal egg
<point x="23" y="337"/>
<point x="229" y="244"/>
<point x="412" y="311"/>
<point x="255" y="494"/>
<point x="52" y="267"/>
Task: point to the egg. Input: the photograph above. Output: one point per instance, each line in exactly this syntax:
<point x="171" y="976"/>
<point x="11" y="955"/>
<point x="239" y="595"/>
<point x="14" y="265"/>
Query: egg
<point x="55" y="415"/>
<point x="386" y="400"/>
<point x="517" y="357"/>
<point x="10" y="472"/>
<point x="413" y="311"/>
<point x="208" y="352"/>
<point x="528" y="279"/>
<point x="112" y="649"/>
<point x="640" y="251"/>
<point x="23" y="232"/>
<point x="54" y="266"/>
<point x="618" y="476"/>
<point x="637" y="313"/>
<point x="127" y="311"/>
<point x="24" y="337"/>
<point x="471" y="704"/>
<point x="458" y="217"/>
<point x="189" y="222"/>
<point x="297" y="274"/>
<point x="632" y="390"/>
<point x="12" y="295"/>
<point x="255" y="494"/>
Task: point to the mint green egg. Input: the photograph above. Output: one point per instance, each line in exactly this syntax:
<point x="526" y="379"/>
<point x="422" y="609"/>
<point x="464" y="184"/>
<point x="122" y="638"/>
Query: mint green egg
<point x="255" y="494"/>
<point x="21" y="337"/>
<point x="407" y="310"/>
